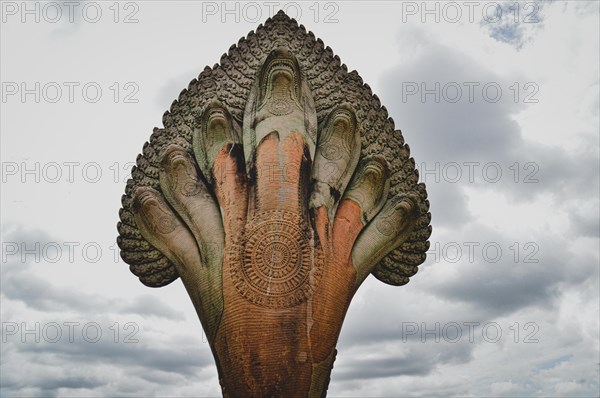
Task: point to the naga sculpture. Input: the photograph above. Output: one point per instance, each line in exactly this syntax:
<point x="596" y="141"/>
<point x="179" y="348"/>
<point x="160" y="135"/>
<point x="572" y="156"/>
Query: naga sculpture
<point x="276" y="186"/>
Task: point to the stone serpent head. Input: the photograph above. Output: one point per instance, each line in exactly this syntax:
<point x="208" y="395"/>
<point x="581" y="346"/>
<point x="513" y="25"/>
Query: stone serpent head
<point x="276" y="187"/>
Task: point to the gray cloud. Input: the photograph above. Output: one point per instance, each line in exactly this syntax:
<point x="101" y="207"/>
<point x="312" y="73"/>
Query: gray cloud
<point x="585" y="224"/>
<point x="479" y="137"/>
<point x="20" y="282"/>
<point x="123" y="344"/>
<point x="413" y="359"/>
<point x="503" y="282"/>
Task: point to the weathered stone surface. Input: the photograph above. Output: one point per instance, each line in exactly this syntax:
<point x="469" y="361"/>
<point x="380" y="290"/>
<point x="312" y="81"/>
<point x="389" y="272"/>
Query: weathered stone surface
<point x="277" y="185"/>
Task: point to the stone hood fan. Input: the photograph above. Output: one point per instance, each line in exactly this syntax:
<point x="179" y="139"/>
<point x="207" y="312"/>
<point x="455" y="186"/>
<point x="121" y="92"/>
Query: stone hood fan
<point x="277" y="185"/>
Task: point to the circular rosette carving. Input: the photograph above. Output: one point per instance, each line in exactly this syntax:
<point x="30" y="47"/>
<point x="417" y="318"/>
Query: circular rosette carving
<point x="273" y="263"/>
<point x="280" y="107"/>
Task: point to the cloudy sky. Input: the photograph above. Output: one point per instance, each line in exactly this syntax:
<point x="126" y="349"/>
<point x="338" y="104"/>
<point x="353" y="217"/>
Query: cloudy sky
<point x="499" y="104"/>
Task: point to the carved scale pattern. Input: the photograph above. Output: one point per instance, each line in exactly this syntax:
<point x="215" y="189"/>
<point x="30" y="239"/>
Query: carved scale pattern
<point x="230" y="82"/>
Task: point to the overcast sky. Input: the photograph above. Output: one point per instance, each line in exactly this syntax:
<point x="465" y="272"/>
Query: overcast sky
<point x="499" y="104"/>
